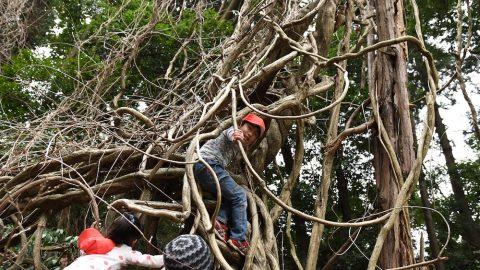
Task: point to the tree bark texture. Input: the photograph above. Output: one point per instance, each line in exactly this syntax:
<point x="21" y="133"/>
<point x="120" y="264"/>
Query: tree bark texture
<point x="389" y="86"/>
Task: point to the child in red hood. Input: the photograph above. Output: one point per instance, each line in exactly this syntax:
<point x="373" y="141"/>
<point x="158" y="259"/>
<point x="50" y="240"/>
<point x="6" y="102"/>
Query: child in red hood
<point x="115" y="251"/>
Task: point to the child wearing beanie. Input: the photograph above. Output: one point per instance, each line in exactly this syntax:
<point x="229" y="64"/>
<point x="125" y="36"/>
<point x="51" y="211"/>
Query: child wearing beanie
<point x="188" y="252"/>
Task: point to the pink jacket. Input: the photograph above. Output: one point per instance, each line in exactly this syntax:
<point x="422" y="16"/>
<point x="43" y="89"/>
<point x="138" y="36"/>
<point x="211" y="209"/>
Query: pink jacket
<point x="117" y="258"/>
<point x="101" y="253"/>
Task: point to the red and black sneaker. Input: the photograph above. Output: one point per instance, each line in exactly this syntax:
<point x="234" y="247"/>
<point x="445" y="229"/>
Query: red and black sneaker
<point x="240" y="246"/>
<point x="221" y="230"/>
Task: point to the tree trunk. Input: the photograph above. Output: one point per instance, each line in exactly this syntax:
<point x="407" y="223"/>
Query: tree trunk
<point x="228" y="13"/>
<point x="342" y="187"/>
<point x="469" y="230"/>
<point x="281" y="48"/>
<point x="389" y="87"/>
<point x="344" y="205"/>
<point x="325" y="26"/>
<point x="427" y="214"/>
<point x="299" y="223"/>
<point x="300" y="229"/>
<point x="432" y="237"/>
<point x="327" y="164"/>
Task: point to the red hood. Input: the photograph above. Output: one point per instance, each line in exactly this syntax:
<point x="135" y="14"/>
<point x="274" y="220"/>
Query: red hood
<point x="91" y="241"/>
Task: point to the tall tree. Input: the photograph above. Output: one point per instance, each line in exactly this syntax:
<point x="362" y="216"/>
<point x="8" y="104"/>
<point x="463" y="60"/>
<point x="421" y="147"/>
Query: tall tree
<point x="388" y="87"/>
<point x="470" y="230"/>
<point x="432" y="237"/>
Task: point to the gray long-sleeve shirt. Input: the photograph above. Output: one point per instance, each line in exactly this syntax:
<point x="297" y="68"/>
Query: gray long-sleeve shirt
<point x="222" y="148"/>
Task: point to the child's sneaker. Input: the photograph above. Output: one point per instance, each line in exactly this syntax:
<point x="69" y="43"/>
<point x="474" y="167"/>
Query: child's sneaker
<point x="240" y="246"/>
<point x="221" y="230"/>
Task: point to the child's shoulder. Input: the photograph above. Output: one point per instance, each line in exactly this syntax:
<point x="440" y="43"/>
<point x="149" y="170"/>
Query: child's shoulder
<point x="121" y="249"/>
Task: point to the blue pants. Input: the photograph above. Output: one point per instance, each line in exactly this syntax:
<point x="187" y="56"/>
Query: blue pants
<point x="233" y="210"/>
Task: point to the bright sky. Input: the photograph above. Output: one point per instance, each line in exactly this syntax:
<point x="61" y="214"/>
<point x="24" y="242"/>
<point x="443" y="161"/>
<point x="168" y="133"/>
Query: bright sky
<point x="457" y="120"/>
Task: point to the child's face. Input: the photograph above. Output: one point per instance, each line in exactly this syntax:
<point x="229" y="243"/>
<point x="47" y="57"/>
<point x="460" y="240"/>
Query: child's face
<point x="250" y="133"/>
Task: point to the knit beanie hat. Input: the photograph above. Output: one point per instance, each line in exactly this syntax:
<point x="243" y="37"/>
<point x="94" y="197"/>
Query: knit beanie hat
<point x="188" y="252"/>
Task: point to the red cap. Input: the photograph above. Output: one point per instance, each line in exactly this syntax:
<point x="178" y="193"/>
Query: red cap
<point x="255" y="120"/>
<point x="93" y="242"/>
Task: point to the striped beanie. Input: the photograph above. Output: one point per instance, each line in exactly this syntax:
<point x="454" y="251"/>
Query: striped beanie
<point x="188" y="252"/>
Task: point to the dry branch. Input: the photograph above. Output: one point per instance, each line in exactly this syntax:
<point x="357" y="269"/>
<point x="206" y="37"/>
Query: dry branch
<point x="37" y="247"/>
